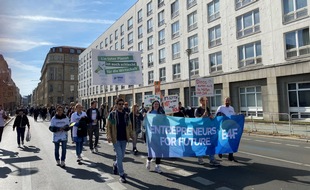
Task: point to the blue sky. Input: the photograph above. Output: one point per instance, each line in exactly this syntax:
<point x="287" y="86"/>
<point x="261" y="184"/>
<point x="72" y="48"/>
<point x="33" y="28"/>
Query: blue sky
<point x="29" y="28"/>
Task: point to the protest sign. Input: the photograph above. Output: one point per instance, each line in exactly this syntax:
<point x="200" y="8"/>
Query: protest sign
<point x="204" y="87"/>
<point x="149" y="99"/>
<point x="171" y="104"/>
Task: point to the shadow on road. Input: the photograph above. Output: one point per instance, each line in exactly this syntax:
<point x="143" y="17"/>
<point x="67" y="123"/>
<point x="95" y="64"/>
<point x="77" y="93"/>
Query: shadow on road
<point x="83" y="174"/>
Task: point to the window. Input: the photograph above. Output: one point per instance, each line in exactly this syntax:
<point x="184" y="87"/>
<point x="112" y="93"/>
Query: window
<point x="59" y="88"/>
<point x="106" y="42"/>
<point x="101" y="45"/>
<point x="79" y="51"/>
<point x="149" y="8"/>
<point x="116" y="46"/>
<point x="130" y="49"/>
<point x="71" y="77"/>
<point x="122" y="29"/>
<point x="191" y="3"/>
<point x="162" y="55"/>
<point x="175" y="29"/>
<point x="51" y="88"/>
<point x="216" y="100"/>
<point x="215" y="36"/>
<point x="150" y="62"/>
<point x="140" y="46"/>
<point x="250" y="54"/>
<point x="140" y="32"/>
<point x="150" y="43"/>
<point x="193" y="43"/>
<point x="160" y="3"/>
<point x="140" y="16"/>
<point x="215" y="61"/>
<point x="116" y="34"/>
<point x="161" y="18"/>
<point x="122" y="43"/>
<point x="213" y="10"/>
<point x="294" y="10"/>
<point x="161" y="36"/>
<point x="150" y="77"/>
<point x="175" y="9"/>
<point x="60" y="50"/>
<point x="130" y="23"/>
<point x="248" y="24"/>
<point x="192" y="21"/>
<point x="251" y="101"/>
<point x="130" y="38"/>
<point x="176" y="71"/>
<point x="299" y="102"/>
<point x="71" y="88"/>
<point x="149" y="25"/>
<point x="176" y="50"/>
<point x="194" y="67"/>
<point x="162" y="74"/>
<point x="297" y="43"/>
<point x="111" y="38"/>
<point x="72" y="51"/>
<point x="243" y="3"/>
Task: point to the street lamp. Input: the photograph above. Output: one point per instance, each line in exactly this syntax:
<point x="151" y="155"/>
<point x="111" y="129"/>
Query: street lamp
<point x="189" y="52"/>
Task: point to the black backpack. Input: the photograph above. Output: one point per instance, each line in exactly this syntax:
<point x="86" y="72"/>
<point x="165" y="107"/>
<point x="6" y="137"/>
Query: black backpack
<point x="82" y="127"/>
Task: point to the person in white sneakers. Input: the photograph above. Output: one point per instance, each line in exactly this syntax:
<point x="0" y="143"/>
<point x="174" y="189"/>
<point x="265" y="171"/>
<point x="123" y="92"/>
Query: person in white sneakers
<point x="156" y="109"/>
<point x="60" y="127"/>
<point x="226" y="110"/>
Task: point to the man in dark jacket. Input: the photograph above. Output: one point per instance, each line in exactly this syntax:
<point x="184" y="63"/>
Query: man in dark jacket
<point x="93" y="128"/>
<point x="20" y="123"/>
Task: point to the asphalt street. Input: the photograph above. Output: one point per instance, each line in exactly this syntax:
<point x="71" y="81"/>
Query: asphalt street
<point x="265" y="162"/>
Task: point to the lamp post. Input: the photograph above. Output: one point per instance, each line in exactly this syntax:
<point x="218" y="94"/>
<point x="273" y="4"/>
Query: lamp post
<point x="189" y="52"/>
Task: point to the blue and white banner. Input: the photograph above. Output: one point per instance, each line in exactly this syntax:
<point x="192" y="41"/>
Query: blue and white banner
<point x="186" y="137"/>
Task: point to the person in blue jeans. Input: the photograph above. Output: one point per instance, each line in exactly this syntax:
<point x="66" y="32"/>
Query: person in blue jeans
<point x="118" y="132"/>
<point x="60" y="127"/>
<point x="20" y="123"/>
<point x="79" y="130"/>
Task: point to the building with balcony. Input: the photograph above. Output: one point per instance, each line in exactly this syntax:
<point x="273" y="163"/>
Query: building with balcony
<point x="257" y="52"/>
<point x="59" y="77"/>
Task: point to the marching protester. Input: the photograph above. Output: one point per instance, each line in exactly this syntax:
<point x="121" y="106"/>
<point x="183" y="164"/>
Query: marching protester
<point x="226" y="110"/>
<point x="3" y="117"/>
<point x="79" y="131"/>
<point x="126" y="108"/>
<point x="118" y="132"/>
<point x="59" y="126"/>
<point x="181" y="112"/>
<point x="70" y="111"/>
<point x="136" y="119"/>
<point x="156" y="109"/>
<point x="20" y="123"/>
<point x="204" y="111"/>
<point x="103" y="115"/>
<point x="93" y="128"/>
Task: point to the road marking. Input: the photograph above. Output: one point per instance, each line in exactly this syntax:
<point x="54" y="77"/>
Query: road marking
<point x="260" y="141"/>
<point x="292" y="145"/>
<point x="277" y="159"/>
<point x="246" y="139"/>
<point x="307" y="147"/>
<point x="116" y="186"/>
<point x="183" y="173"/>
<point x="203" y="181"/>
<point x="167" y="167"/>
<point x="223" y="188"/>
<point x="274" y="143"/>
<point x="26" y="176"/>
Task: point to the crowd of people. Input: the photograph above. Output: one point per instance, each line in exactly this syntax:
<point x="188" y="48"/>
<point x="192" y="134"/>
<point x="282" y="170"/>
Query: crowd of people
<point x="120" y="124"/>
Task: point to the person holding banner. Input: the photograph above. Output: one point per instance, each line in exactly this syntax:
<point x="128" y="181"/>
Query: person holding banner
<point x="118" y="132"/>
<point x="226" y="110"/>
<point x="156" y="109"/>
<point x="136" y="126"/>
<point x="204" y="111"/>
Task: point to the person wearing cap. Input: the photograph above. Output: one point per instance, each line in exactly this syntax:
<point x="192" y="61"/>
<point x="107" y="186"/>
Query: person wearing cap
<point x="20" y="123"/>
<point x="93" y="115"/>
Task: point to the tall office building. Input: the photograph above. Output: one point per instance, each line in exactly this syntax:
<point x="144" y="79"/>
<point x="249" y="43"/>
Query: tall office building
<point x="257" y="52"/>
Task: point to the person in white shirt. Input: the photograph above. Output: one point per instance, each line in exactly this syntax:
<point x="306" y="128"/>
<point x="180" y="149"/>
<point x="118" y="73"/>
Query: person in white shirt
<point x="226" y="110"/>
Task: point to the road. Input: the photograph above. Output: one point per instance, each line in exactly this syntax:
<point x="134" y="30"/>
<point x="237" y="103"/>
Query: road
<point x="265" y="162"/>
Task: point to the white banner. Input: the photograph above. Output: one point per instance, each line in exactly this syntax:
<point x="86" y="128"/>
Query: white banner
<point x="112" y="67"/>
<point x="149" y="99"/>
<point x="204" y="87"/>
<point x="171" y="104"/>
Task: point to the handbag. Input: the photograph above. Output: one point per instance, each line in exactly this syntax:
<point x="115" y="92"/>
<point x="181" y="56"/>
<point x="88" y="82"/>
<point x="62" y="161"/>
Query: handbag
<point x="28" y="136"/>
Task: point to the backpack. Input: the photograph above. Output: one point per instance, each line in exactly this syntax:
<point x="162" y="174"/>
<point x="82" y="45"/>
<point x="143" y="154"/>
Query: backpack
<point x="82" y="127"/>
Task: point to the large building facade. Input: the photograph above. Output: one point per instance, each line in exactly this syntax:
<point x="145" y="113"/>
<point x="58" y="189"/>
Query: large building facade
<point x="10" y="96"/>
<point x="59" y="77"/>
<point x="257" y="52"/>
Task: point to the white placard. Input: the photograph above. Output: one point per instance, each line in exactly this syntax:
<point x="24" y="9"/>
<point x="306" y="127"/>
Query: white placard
<point x="171" y="104"/>
<point x="149" y="99"/>
<point x="204" y="87"/>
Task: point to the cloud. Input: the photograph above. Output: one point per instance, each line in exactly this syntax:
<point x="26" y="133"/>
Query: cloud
<point x="57" y="19"/>
<point x="13" y="63"/>
<point x="10" y="45"/>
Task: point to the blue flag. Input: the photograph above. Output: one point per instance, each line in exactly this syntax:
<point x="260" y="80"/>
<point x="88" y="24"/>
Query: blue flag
<point x="186" y="137"/>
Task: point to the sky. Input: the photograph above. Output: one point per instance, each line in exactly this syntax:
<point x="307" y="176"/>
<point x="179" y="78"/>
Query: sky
<point x="29" y="28"/>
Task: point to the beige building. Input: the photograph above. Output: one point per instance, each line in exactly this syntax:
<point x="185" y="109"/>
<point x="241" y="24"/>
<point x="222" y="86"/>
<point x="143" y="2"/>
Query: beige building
<point x="257" y="52"/>
<point x="59" y="77"/>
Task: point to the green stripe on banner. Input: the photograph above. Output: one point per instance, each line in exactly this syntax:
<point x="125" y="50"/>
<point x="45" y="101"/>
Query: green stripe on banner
<point x="120" y="64"/>
<point x="115" y="58"/>
<point x="121" y="70"/>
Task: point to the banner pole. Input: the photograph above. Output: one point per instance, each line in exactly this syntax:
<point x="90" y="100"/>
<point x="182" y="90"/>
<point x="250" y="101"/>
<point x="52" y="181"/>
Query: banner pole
<point x="133" y="112"/>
